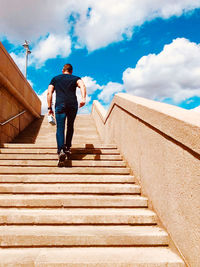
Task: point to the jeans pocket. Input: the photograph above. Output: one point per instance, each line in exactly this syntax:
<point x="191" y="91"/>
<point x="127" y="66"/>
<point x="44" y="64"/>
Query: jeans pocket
<point x="60" y="109"/>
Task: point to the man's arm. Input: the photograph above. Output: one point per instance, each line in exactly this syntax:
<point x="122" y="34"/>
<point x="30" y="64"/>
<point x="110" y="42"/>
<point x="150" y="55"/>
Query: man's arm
<point x="49" y="98"/>
<point x="82" y="86"/>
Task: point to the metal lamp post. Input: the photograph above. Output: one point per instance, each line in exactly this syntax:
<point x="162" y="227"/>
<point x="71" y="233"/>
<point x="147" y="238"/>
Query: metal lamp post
<point x="28" y="51"/>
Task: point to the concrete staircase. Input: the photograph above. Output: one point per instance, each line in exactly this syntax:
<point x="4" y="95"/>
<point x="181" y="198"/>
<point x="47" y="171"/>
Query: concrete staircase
<point x="89" y="213"/>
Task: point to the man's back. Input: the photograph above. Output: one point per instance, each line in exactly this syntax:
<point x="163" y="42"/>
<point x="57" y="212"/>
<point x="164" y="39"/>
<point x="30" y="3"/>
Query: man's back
<point x="65" y="87"/>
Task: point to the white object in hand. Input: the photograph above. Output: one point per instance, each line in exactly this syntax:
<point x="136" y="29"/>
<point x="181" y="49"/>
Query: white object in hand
<point x="51" y="120"/>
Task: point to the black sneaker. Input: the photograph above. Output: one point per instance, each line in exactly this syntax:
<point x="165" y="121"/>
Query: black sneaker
<point x="68" y="153"/>
<point x="61" y="158"/>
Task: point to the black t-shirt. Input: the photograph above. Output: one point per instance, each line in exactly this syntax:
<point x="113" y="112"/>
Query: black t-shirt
<point x="65" y="87"/>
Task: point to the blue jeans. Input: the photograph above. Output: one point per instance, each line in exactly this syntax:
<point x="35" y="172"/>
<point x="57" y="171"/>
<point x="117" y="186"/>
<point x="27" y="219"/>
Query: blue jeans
<point x="62" y="112"/>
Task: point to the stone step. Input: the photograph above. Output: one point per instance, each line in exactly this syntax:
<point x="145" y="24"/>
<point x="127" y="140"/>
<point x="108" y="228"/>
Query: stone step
<point x="52" y="141"/>
<point x="54" y="151"/>
<point x="84" y="117"/>
<point x="73" y="200"/>
<point x="83" y="125"/>
<point x="52" y="135"/>
<point x="87" y="118"/>
<point x="85" y="131"/>
<point x="78" y="120"/>
<point x="67" y="163"/>
<point x="38" y="142"/>
<point x="82" y="130"/>
<point x="78" y="126"/>
<point x="76" y="140"/>
<point x="77" y="216"/>
<point x="90" y="257"/>
<point x="86" y="121"/>
<point x="46" y="142"/>
<point x="69" y="188"/>
<point x="45" y="135"/>
<point x="32" y="146"/>
<point x="47" y="236"/>
<point x="79" y="117"/>
<point x="76" y="135"/>
<point x="66" y="178"/>
<point x="52" y="138"/>
<point x="64" y="170"/>
<point x="55" y="157"/>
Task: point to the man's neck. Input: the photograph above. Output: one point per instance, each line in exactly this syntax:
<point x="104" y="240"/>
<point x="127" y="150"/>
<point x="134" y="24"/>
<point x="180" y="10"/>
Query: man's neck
<point x="66" y="72"/>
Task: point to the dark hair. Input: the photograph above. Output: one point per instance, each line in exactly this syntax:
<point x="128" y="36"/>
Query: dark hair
<point x="68" y="67"/>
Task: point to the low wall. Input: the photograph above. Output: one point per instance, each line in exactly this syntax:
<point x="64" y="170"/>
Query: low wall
<point x="161" y="144"/>
<point x="16" y="95"/>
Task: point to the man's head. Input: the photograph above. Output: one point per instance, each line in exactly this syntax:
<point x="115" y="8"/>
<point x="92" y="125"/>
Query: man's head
<point x="67" y="68"/>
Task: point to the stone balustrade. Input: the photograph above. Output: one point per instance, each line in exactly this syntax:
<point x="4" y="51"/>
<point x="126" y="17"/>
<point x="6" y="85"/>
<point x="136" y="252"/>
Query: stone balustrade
<point x="16" y="95"/>
<point x="161" y="144"/>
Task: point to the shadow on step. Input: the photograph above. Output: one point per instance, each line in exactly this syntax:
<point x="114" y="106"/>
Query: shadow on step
<point x="81" y="152"/>
<point x="30" y="133"/>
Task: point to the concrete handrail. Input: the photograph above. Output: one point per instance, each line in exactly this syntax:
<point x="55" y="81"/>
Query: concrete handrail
<point x="161" y="144"/>
<point x="173" y="121"/>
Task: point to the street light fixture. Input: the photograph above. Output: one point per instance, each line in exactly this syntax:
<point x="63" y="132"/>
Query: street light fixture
<point x="28" y="51"/>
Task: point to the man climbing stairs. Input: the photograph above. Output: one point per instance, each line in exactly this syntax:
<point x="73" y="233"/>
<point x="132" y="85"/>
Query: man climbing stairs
<point x="88" y="213"/>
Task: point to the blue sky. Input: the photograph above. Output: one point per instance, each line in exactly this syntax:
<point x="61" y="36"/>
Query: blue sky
<point x="148" y="50"/>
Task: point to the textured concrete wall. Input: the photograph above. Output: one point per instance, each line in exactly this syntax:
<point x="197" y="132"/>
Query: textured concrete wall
<point x="161" y="144"/>
<point x="16" y="95"/>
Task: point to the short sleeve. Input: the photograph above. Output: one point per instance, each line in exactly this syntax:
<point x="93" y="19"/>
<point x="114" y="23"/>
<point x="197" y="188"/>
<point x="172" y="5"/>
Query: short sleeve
<point x="77" y="78"/>
<point x="52" y="82"/>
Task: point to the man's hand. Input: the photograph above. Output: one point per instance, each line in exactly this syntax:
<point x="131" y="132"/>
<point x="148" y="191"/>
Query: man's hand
<point x="50" y="112"/>
<point x="49" y="98"/>
<point x="81" y="85"/>
<point x="82" y="103"/>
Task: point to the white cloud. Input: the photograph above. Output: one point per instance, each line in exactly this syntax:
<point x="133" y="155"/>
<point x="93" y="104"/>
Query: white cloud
<point x="96" y="23"/>
<point x="27" y="19"/>
<point x="43" y="99"/>
<point x="91" y="85"/>
<point x="112" y="20"/>
<point x="19" y="61"/>
<point x="78" y="94"/>
<point x="109" y="90"/>
<point x="174" y="73"/>
<point x="51" y="47"/>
